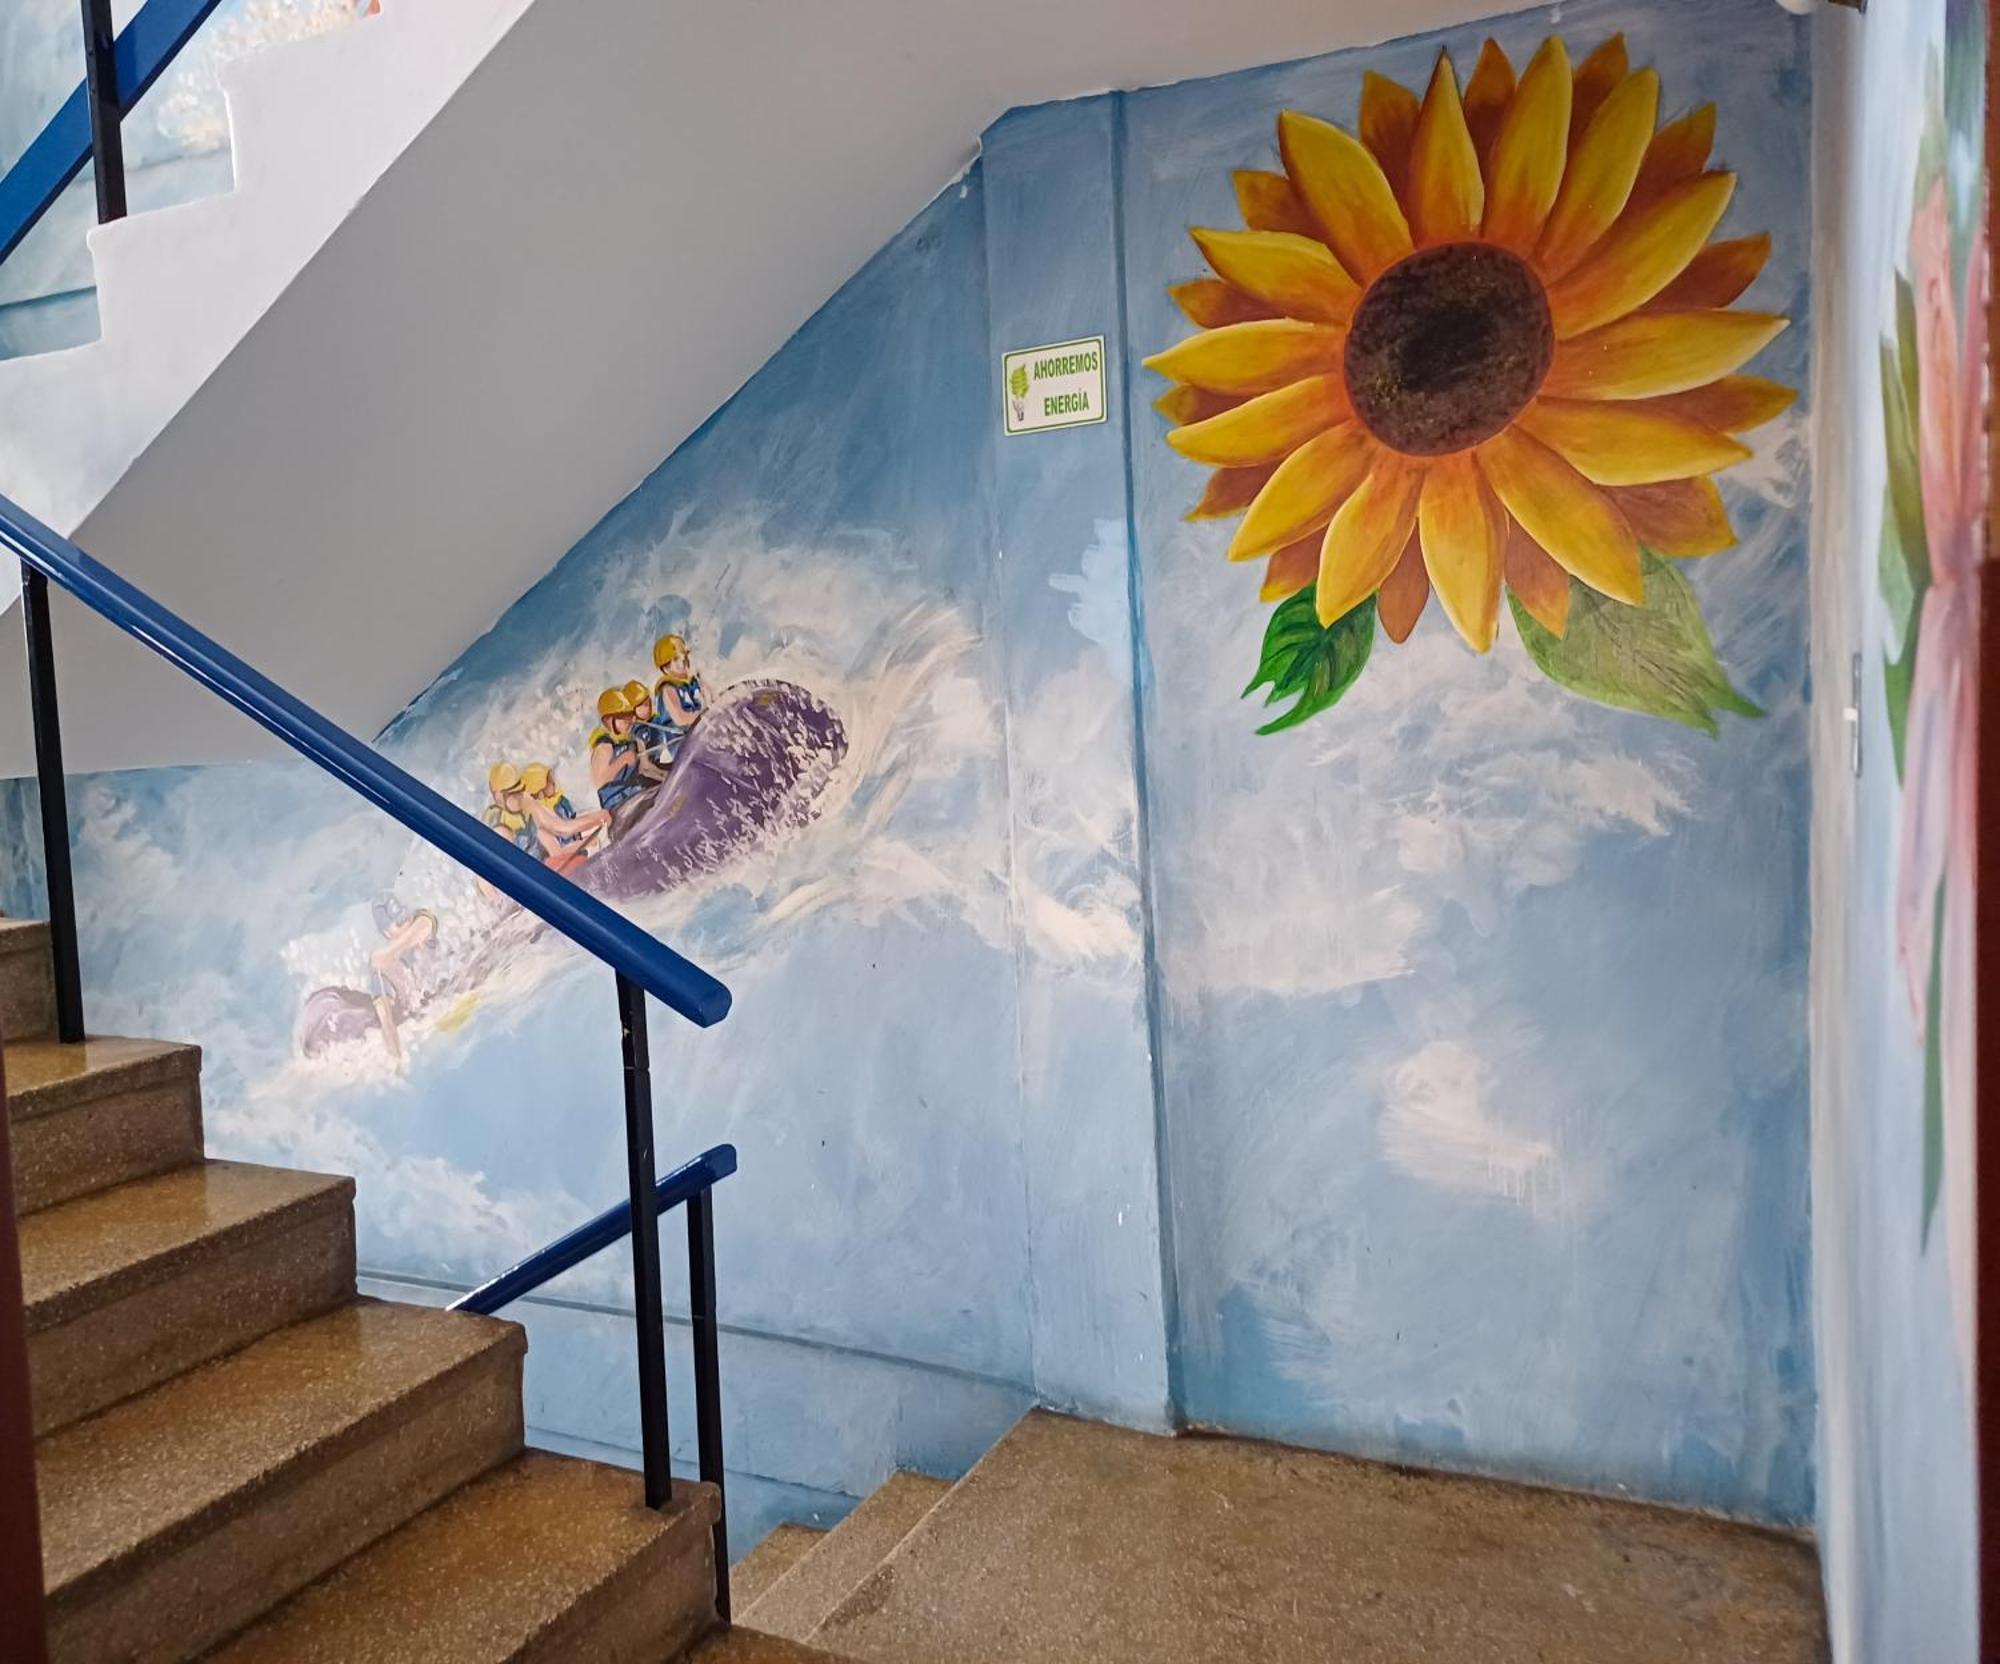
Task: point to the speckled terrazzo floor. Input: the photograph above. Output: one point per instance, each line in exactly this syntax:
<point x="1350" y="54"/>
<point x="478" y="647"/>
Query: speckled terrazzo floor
<point x="1077" y="1541"/>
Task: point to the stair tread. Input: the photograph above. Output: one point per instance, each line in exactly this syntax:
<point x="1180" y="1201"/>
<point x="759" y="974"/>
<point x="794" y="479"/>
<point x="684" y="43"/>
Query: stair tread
<point x="46" y="1075"/>
<point x="479" y="1575"/>
<point x="85" y="1253"/>
<point x="777" y="1554"/>
<point x="750" y="1646"/>
<point x="831" y="1569"/>
<point x="148" y="1473"/>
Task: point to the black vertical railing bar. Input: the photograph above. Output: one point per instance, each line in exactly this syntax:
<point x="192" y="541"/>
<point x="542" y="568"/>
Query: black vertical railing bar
<point x="107" y="140"/>
<point x="648" y="1311"/>
<point x="708" y="1377"/>
<point x="100" y="53"/>
<point x="47" y="723"/>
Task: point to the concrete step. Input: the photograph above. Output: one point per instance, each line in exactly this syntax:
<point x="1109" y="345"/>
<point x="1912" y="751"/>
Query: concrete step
<point x="27" y="980"/>
<point x="86" y="1117"/>
<point x="544" y="1559"/>
<point x="173" y="1519"/>
<point x="1070" y="1539"/>
<point x="798" y="1602"/>
<point x="747" y="1646"/>
<point x="130" y="1286"/>
<point x="769" y="1561"/>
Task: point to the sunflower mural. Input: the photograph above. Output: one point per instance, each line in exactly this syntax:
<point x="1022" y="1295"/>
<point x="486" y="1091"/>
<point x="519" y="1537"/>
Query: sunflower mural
<point x="1487" y="346"/>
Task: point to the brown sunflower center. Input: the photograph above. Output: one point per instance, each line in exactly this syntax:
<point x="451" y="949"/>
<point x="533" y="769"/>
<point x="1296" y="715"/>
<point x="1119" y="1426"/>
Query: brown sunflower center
<point x="1447" y="347"/>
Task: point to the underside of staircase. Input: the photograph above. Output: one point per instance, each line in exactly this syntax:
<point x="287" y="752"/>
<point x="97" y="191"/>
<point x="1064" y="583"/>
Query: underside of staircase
<point x="236" y="1457"/>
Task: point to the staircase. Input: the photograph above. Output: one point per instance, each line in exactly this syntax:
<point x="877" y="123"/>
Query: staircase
<point x="239" y="1459"/>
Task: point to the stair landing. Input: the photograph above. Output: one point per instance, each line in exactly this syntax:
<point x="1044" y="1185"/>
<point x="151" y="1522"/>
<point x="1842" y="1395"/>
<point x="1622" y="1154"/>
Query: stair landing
<point x="1074" y="1540"/>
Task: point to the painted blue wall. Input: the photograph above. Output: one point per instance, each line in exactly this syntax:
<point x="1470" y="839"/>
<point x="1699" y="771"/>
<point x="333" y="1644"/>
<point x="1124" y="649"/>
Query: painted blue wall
<point x="1484" y="1045"/>
<point x="832" y="526"/>
<point x="1461" y="1030"/>
<point x="1893" y="1275"/>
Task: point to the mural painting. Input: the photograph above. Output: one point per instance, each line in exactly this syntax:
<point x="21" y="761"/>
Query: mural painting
<point x="1481" y="976"/>
<point x="1928" y="578"/>
<point x="682" y="784"/>
<point x="1489" y="345"/>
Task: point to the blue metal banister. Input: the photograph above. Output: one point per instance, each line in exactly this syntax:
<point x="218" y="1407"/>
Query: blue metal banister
<point x="567" y="1252"/>
<point x="596" y="928"/>
<point x="57" y="155"/>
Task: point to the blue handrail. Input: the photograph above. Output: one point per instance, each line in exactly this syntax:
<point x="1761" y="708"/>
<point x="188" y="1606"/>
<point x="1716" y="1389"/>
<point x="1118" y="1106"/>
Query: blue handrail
<point x="683" y="1184"/>
<point x="145" y="48"/>
<point x="586" y="921"/>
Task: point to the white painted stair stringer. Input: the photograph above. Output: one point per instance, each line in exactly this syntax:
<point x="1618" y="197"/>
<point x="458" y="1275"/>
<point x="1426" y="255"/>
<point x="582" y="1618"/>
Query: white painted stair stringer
<point x="313" y="124"/>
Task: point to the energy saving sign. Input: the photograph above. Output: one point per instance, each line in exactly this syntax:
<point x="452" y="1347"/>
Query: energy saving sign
<point x="1057" y="386"/>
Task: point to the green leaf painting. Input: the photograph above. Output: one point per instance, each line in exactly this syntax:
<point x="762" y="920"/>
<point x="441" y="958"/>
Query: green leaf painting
<point x="1316" y="664"/>
<point x="1656" y="658"/>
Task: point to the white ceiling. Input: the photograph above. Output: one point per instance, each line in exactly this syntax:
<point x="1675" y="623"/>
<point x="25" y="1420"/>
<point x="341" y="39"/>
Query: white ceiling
<point x="624" y="212"/>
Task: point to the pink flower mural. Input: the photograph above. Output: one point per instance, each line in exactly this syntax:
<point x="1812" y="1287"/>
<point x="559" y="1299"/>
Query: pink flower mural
<point x="1934" y="383"/>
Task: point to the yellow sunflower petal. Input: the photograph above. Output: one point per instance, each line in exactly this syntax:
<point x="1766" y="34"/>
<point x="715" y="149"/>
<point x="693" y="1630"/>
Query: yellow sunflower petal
<point x="1401" y="600"/>
<point x="1601" y="171"/>
<point x="1677" y="518"/>
<point x="1268" y="203"/>
<point x="1487" y="95"/>
<point x="1464" y="531"/>
<point x="1574" y="521"/>
<point x="1252" y="357"/>
<point x="1657" y="352"/>
<point x="1541" y="586"/>
<point x="1211" y="303"/>
<point x="1367" y="535"/>
<point x="1735" y="404"/>
<point x="1645" y="252"/>
<point x="1596" y="78"/>
<point x="1304" y="490"/>
<point x="1621" y="444"/>
<point x="1446" y="195"/>
<point x="1678" y="153"/>
<point x="1525" y="169"/>
<point x="1288" y="273"/>
<point x="1269" y="427"/>
<point x="1349" y="195"/>
<point x="1181" y="405"/>
<point x="1291" y="569"/>
<point x="1719" y="274"/>
<point x="1388" y="124"/>
<point x="1231" y="491"/>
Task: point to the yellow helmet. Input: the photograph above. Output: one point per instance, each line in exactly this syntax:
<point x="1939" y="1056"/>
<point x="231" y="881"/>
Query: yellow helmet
<point x="667" y="649"/>
<point x="612" y="702"/>
<point x="634" y="692"/>
<point x="503" y="778"/>
<point x="535" y="779"/>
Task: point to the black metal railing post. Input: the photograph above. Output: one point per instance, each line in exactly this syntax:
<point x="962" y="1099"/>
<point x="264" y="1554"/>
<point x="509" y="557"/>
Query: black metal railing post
<point x="708" y="1376"/>
<point x="55" y="804"/>
<point x="107" y="109"/>
<point x="649" y="1315"/>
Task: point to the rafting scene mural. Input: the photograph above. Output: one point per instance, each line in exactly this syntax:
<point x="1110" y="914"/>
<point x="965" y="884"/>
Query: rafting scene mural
<point x="681" y="782"/>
